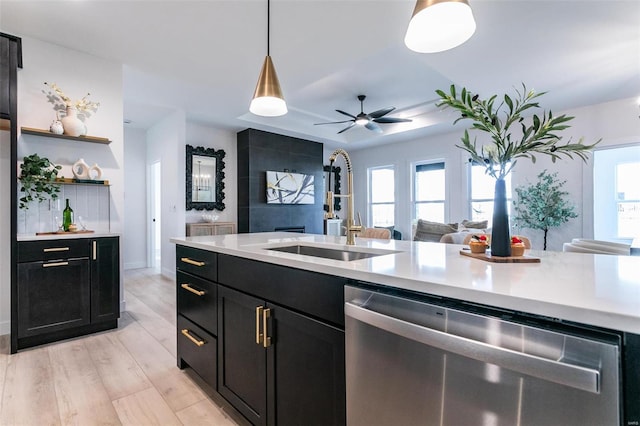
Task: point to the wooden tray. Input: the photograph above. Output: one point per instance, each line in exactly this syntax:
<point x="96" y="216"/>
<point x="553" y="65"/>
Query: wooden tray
<point x="86" y="231"/>
<point x="497" y="259"/>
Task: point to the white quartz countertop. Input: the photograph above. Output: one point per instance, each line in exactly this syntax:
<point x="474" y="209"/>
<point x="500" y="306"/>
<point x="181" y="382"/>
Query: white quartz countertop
<point x="61" y="236"/>
<point x="595" y="289"/>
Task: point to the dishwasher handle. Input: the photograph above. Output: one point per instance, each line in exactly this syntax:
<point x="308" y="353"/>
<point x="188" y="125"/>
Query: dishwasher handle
<point x="582" y="378"/>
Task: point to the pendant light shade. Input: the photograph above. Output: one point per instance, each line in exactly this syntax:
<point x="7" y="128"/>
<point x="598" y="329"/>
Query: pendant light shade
<point x="267" y="99"/>
<point x="439" y="25"/>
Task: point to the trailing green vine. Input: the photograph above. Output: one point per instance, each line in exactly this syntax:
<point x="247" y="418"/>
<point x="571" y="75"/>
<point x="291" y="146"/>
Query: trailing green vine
<point x="37" y="177"/>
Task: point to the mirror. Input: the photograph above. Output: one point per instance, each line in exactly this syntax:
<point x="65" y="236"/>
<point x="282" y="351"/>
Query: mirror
<point x="205" y="178"/>
<point x="335" y="183"/>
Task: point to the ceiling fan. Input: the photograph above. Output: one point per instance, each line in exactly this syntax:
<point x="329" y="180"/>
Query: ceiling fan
<point x="370" y="121"/>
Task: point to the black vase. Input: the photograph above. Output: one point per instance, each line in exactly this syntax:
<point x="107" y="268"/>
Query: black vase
<point x="500" y="238"/>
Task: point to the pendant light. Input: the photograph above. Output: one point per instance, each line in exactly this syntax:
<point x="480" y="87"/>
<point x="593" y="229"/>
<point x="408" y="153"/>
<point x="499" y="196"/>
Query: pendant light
<point x="439" y="25"/>
<point x="267" y="99"/>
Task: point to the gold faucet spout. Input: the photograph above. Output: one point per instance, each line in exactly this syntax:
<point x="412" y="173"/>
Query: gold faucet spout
<point x="352" y="228"/>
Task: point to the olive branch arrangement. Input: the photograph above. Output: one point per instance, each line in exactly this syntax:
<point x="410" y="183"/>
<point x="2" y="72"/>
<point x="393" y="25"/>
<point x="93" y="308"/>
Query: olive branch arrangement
<point x="61" y="101"/>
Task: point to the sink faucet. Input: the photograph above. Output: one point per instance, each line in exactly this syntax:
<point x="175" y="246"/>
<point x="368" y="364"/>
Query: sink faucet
<point x="352" y="228"/>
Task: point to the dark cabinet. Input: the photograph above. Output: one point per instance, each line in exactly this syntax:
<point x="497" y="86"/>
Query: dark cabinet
<point x="52" y="296"/>
<point x="278" y="365"/>
<point x="196" y="295"/>
<point x="105" y="279"/>
<point x="66" y="288"/>
<point x="4" y="78"/>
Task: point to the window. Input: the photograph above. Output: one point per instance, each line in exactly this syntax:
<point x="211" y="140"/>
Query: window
<point x="616" y="195"/>
<point x="429" y="196"/>
<point x="482" y="191"/>
<point x="382" y="196"/>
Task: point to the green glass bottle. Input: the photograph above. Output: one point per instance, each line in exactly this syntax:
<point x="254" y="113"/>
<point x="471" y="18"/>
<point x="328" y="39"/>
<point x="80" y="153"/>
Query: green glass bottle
<point x="67" y="217"/>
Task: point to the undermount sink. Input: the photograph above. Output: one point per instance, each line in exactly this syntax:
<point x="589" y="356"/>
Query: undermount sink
<point x="328" y="253"/>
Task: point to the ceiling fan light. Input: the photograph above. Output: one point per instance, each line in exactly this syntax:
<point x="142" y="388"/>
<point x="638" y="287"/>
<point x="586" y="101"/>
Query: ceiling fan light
<point x="267" y="98"/>
<point x="362" y="121"/>
<point x="439" y="25"/>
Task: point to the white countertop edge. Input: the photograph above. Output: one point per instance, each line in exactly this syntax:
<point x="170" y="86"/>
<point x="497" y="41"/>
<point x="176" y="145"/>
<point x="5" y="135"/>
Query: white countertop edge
<point x="610" y="319"/>
<point x="33" y="237"/>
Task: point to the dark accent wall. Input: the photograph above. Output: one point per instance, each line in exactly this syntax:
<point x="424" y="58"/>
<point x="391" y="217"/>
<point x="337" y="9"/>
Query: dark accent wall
<point x="259" y="151"/>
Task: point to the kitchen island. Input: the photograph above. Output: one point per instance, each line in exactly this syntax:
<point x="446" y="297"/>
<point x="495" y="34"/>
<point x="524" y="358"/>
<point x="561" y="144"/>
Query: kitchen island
<point x="262" y="317"/>
<point x="598" y="290"/>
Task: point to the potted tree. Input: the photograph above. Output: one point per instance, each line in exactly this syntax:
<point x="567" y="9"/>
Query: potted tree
<point x="543" y="204"/>
<point x="37" y="180"/>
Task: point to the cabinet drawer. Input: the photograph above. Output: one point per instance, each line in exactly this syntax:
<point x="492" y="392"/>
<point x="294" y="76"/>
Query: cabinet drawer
<point x="30" y="251"/>
<point x="197" y="262"/>
<point x="197" y="301"/>
<point x="197" y="348"/>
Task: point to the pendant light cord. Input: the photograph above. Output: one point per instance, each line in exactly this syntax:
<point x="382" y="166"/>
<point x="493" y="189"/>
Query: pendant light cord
<point x="268" y="24"/>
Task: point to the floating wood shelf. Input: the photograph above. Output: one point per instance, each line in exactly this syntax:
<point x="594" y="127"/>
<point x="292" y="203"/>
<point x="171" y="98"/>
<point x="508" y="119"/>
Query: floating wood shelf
<point x="48" y="134"/>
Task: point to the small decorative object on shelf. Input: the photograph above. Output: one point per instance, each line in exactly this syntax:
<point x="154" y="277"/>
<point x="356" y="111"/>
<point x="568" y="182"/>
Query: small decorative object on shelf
<point x="81" y="169"/>
<point x="517" y="246"/>
<point x="95" y="172"/>
<point x="67" y="218"/>
<point x="478" y="244"/>
<point x="56" y="126"/>
<point x="75" y="112"/>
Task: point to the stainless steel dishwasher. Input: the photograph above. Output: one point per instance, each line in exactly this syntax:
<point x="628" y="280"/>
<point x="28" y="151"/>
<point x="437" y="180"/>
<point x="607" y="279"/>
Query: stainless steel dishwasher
<point x="438" y="362"/>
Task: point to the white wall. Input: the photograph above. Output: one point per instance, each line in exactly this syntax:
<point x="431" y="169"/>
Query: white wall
<point x="76" y="73"/>
<point x="209" y="137"/>
<point x="616" y="122"/>
<point x="134" y="238"/>
<point x="166" y="143"/>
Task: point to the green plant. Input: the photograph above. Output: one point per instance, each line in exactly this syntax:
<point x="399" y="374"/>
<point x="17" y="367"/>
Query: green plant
<point x="37" y="177"/>
<point x="543" y="204"/>
<point x="539" y="137"/>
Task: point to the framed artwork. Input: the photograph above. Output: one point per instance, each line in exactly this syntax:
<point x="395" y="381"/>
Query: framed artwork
<point x="290" y="188"/>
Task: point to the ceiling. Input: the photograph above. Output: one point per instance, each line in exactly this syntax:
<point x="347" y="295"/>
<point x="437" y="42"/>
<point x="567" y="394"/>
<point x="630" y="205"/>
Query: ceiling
<point x="204" y="57"/>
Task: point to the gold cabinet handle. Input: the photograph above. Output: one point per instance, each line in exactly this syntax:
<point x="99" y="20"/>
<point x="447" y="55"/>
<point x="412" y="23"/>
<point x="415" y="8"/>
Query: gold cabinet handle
<point x="53" y="249"/>
<point x="94" y="250"/>
<point x="50" y="265"/>
<point x="192" y="262"/>
<point x="193" y="290"/>
<point x="259" y="336"/>
<point x="266" y="342"/>
<point x="198" y="342"/>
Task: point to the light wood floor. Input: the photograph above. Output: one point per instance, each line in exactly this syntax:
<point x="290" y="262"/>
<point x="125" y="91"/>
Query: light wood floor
<point x="126" y="376"/>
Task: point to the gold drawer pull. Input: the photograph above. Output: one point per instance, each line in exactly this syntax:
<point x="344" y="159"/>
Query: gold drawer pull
<point x="49" y="265"/>
<point x="192" y="262"/>
<point x="198" y="342"/>
<point x="52" y="249"/>
<point x="193" y="290"/>
<point x="259" y="336"/>
<point x="266" y="342"/>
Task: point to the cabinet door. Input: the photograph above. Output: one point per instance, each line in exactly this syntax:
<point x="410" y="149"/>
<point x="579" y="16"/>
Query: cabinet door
<point x="52" y="296"/>
<point x="225" y="229"/>
<point x="105" y="279"/>
<point x="241" y="361"/>
<point x="306" y="371"/>
<point x="199" y="229"/>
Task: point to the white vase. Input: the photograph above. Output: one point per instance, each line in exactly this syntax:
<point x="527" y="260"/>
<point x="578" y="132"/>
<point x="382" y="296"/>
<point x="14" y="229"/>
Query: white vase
<point x="95" y="172"/>
<point x="72" y="125"/>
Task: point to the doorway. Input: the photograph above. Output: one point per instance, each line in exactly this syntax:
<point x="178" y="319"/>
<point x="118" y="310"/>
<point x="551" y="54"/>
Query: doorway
<point x="154" y="219"/>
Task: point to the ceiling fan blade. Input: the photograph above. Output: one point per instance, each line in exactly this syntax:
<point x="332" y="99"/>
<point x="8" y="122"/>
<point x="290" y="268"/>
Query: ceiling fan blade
<point x="379" y="113"/>
<point x="332" y="122"/>
<point x="385" y="120"/>
<point x="346" y="113"/>
<point x="373" y="126"/>
<point x="347" y="128"/>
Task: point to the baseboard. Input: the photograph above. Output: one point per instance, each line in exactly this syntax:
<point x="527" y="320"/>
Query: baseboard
<point x="135" y="265"/>
<point x="169" y="273"/>
<point x="123" y="305"/>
